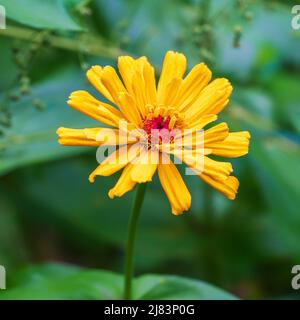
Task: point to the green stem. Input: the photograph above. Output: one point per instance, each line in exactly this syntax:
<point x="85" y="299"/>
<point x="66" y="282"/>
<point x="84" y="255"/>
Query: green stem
<point x="91" y="45"/>
<point x="131" y="235"/>
<point x="204" y="11"/>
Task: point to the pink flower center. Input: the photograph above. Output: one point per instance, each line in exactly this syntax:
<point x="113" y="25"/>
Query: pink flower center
<point x="158" y="130"/>
<point x="157" y="123"/>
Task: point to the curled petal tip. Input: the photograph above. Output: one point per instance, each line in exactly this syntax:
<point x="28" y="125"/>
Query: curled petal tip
<point x="91" y="178"/>
<point x="111" y="194"/>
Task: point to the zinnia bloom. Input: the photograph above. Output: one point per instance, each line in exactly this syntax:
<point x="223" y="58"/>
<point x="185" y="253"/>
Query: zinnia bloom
<point x="176" y="102"/>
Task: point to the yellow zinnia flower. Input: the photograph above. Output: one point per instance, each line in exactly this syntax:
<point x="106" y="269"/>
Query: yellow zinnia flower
<point x="177" y="102"/>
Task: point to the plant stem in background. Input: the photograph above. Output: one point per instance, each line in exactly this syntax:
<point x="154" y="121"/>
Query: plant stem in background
<point x="82" y="43"/>
<point x="131" y="235"/>
<point x="210" y="252"/>
<point x="205" y="36"/>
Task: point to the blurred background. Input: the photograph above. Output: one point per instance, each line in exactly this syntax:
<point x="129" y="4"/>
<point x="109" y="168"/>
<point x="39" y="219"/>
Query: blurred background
<point x="48" y="209"/>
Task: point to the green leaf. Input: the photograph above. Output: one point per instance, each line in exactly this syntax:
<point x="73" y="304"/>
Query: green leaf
<point x="46" y="14"/>
<point x="53" y="281"/>
<point x="64" y="282"/>
<point x="178" y="288"/>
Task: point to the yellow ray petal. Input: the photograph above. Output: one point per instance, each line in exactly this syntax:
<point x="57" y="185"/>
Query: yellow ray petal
<point x="227" y="187"/>
<point x="200" y="163"/>
<point x="113" y="163"/>
<point x="124" y="184"/>
<point x="171" y="92"/>
<point x="128" y="106"/>
<point x="85" y="103"/>
<point x="174" y="187"/>
<point x="112" y="83"/>
<point x="174" y="66"/>
<point x="87" y="137"/>
<point x="139" y="78"/>
<point x="202" y="121"/>
<point x="216" y="133"/>
<point x="116" y="161"/>
<point x="185" y="153"/>
<point x="211" y="100"/>
<point x="128" y="67"/>
<point x="78" y="142"/>
<point x="218" y="170"/>
<point x="139" y="92"/>
<point x="94" y="75"/>
<point x="198" y="138"/>
<point x="144" y="168"/>
<point x="235" y="145"/>
<point x="192" y="85"/>
<point x="191" y="136"/>
<point x="150" y="84"/>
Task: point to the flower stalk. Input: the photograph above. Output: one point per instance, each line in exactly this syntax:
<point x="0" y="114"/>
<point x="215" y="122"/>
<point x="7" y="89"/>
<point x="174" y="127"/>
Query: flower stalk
<point x="131" y="236"/>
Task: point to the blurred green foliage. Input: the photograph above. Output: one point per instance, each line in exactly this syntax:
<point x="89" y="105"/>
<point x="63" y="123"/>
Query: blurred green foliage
<point x="69" y="282"/>
<point x="50" y="212"/>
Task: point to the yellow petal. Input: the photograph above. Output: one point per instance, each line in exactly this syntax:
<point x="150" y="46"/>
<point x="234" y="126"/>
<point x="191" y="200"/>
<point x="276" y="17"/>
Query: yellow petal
<point x="150" y="84"/>
<point x="174" y="187"/>
<point x="89" y="133"/>
<point x="78" y="142"/>
<point x="94" y="75"/>
<point x="124" y="184"/>
<point x="171" y="92"/>
<point x="192" y="136"/>
<point x="218" y="170"/>
<point x="128" y="67"/>
<point x="113" y="163"/>
<point x="216" y="133"/>
<point x="205" y="120"/>
<point x="199" y="163"/>
<point x="144" y="168"/>
<point x="128" y="106"/>
<point x="174" y="66"/>
<point x="85" y="103"/>
<point x="227" y="187"/>
<point x="139" y="78"/>
<point x="202" y="121"/>
<point x="192" y="85"/>
<point x="236" y="144"/>
<point x="139" y="92"/>
<point x="211" y="100"/>
<point x="87" y="137"/>
<point x="116" y="161"/>
<point x="112" y="83"/>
